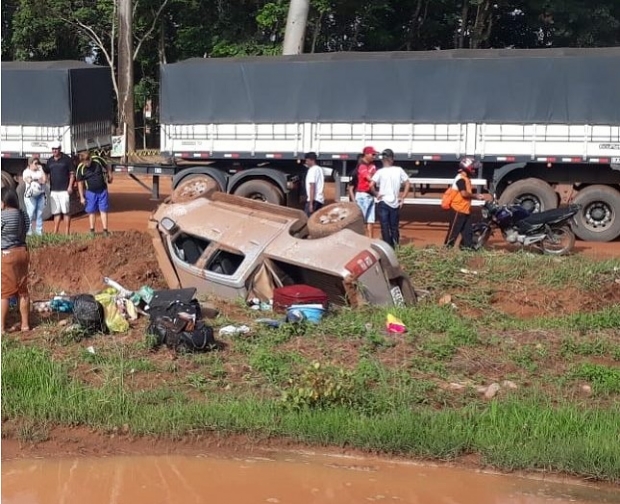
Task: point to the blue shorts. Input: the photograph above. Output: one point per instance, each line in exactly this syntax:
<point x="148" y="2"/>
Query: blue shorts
<point x="366" y="202"/>
<point x="96" y="202"/>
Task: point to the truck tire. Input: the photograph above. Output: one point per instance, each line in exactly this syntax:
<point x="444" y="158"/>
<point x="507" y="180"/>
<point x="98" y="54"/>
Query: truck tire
<point x="332" y="218"/>
<point x="534" y="194"/>
<point x="193" y="186"/>
<point x="599" y="217"/>
<point x="260" y="190"/>
<point x="8" y="181"/>
<point x="21" y="189"/>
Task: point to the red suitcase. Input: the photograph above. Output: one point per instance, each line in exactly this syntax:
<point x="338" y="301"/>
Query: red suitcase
<point x="283" y="297"/>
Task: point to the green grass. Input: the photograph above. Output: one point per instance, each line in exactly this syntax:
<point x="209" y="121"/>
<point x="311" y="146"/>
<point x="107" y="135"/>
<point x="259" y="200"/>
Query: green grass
<point x="517" y="433"/>
<point x="49" y="239"/>
<point x="348" y="382"/>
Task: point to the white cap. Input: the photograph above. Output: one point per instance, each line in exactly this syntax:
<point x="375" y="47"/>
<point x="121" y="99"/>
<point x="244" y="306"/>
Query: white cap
<point x="55" y="144"/>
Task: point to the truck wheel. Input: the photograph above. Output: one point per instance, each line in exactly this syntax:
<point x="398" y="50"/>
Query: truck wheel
<point x="21" y="189"/>
<point x="260" y="190"/>
<point x="332" y="218"/>
<point x="533" y="194"/>
<point x="8" y="181"/>
<point x="193" y="186"/>
<point x="599" y="217"/>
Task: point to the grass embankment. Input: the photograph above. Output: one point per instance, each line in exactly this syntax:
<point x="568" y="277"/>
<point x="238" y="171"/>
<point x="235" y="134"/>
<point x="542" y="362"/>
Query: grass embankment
<point x="347" y="383"/>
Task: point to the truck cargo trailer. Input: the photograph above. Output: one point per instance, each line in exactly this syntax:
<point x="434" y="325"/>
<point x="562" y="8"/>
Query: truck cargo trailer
<point x="47" y="101"/>
<point x="545" y="124"/>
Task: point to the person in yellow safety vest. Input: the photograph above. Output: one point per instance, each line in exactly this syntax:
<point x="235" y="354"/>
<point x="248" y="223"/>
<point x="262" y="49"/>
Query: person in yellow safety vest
<point x="460" y="208"/>
<point x="93" y="176"/>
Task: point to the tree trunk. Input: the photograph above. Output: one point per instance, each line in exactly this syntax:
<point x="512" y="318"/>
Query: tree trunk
<point x="482" y="26"/>
<point x="296" y="27"/>
<point x="125" y="72"/>
<point x="460" y="39"/>
<point x="414" y="27"/>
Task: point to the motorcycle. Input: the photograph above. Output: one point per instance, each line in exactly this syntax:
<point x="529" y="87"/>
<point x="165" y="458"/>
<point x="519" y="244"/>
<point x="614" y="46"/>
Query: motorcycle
<point x="548" y="230"/>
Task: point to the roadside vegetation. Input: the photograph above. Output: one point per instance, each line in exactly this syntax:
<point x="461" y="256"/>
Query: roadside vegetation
<point x="512" y="358"/>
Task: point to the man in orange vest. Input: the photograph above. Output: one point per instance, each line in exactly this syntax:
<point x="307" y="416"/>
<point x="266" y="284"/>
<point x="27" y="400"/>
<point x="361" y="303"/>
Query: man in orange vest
<point x="460" y="218"/>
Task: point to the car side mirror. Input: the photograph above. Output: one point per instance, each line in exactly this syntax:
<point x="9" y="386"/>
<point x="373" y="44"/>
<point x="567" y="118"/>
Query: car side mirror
<point x="168" y="225"/>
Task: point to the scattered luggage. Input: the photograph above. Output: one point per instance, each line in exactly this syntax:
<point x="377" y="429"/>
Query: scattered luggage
<point x="298" y="294"/>
<point x="175" y="321"/>
<point x="89" y="314"/>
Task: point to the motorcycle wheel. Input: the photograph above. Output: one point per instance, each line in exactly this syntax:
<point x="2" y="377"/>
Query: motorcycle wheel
<point x="559" y="241"/>
<point x="481" y="235"/>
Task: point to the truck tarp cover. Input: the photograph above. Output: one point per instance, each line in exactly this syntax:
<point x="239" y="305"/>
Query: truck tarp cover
<point x="578" y="86"/>
<point x="55" y="93"/>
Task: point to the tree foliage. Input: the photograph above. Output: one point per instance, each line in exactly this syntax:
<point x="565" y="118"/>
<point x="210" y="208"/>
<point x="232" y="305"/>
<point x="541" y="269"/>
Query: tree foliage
<point x="173" y="30"/>
<point x="47" y="29"/>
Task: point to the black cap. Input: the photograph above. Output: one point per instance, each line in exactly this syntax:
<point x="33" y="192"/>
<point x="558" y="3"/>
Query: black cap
<point x="310" y="155"/>
<point x="389" y="153"/>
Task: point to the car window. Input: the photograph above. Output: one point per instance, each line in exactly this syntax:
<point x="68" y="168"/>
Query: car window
<point x="225" y="262"/>
<point x="189" y="248"/>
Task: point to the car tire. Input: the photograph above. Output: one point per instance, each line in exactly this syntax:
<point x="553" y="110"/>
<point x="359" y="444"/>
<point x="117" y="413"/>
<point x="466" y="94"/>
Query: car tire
<point x="260" y="190"/>
<point x="332" y="218"/>
<point x="8" y="180"/>
<point x="192" y="187"/>
<point x="599" y="216"/>
<point x="534" y="194"/>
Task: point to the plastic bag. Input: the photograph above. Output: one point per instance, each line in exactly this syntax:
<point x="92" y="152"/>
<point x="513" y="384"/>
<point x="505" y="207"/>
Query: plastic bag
<point x="89" y="313"/>
<point x="394" y="325"/>
<point x="114" y="318"/>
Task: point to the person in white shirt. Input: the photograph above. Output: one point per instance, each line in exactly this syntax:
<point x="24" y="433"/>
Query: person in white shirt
<point x="315" y="184"/>
<point x="34" y="195"/>
<point x="387" y="183"/>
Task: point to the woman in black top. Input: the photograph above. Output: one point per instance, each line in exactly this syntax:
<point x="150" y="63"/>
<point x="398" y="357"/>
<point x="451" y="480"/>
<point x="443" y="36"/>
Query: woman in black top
<point x="15" y="258"/>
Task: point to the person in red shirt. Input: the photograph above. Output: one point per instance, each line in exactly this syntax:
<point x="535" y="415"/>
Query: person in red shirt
<point x="360" y="189"/>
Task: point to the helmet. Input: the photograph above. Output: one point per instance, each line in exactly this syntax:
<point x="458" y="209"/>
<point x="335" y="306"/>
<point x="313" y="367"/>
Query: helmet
<point x="469" y="165"/>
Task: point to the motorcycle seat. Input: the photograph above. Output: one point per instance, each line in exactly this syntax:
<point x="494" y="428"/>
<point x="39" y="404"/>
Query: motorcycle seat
<point x="552" y="216"/>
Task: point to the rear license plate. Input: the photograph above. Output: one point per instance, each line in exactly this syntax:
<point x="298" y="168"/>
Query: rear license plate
<point x="397" y="296"/>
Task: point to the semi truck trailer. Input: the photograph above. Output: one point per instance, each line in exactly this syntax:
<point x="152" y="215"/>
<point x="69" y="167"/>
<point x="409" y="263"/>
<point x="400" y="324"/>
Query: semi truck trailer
<point x="50" y="101"/>
<point x="544" y="124"/>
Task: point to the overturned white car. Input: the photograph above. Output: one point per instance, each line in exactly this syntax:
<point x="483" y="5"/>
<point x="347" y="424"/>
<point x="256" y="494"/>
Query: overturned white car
<point x="232" y="247"/>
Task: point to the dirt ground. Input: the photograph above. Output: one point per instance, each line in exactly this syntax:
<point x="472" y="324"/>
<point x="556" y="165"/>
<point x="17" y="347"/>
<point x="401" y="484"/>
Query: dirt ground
<point x="131" y="206"/>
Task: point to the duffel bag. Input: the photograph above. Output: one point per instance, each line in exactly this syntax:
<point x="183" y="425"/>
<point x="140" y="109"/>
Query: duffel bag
<point x="200" y="339"/>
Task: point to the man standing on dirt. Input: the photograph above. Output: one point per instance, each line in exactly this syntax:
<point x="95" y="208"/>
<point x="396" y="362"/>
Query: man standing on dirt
<point x="460" y="220"/>
<point x="93" y="176"/>
<point x="315" y="184"/>
<point x="386" y="184"/>
<point x="61" y="173"/>
<point x="361" y="191"/>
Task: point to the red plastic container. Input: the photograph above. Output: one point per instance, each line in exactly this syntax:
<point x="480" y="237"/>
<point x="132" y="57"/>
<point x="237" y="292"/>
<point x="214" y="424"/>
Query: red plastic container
<point x="283" y="297"/>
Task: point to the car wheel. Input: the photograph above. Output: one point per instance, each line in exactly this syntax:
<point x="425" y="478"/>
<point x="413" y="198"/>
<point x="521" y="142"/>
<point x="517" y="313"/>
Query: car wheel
<point x="260" y="190"/>
<point x="332" y="218"/>
<point x="193" y="186"/>
<point x="533" y="194"/>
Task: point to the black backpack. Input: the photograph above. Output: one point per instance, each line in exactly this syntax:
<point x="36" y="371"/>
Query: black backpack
<point x="177" y="332"/>
<point x="89" y="314"/>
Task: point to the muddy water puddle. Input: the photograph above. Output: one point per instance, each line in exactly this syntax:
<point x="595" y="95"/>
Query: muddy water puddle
<point x="277" y="479"/>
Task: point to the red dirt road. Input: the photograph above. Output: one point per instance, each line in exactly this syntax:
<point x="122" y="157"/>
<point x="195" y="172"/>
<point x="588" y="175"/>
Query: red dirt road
<point x="420" y="225"/>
